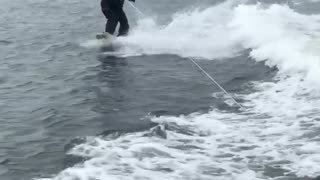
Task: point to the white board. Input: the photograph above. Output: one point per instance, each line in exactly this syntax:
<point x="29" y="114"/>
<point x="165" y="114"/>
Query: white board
<point x="106" y="38"/>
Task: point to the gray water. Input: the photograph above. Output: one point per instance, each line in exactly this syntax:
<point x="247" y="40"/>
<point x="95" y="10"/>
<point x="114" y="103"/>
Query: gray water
<point x="54" y="91"/>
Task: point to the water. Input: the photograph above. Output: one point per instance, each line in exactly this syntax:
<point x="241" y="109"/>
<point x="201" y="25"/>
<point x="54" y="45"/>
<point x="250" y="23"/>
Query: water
<point x="71" y="111"/>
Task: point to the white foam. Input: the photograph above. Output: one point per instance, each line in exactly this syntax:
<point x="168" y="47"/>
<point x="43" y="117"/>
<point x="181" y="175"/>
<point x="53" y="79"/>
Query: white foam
<point x="213" y="145"/>
<point x="278" y="34"/>
<point x="201" y="33"/>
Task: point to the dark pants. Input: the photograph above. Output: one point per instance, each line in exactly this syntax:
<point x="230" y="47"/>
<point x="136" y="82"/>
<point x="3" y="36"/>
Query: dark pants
<point x="113" y="11"/>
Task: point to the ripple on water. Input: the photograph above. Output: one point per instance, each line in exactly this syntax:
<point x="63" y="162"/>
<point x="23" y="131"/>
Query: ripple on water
<point x="5" y="42"/>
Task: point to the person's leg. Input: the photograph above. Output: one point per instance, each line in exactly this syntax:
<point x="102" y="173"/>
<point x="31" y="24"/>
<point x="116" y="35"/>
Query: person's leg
<point x="112" y="22"/>
<point x="124" y="25"/>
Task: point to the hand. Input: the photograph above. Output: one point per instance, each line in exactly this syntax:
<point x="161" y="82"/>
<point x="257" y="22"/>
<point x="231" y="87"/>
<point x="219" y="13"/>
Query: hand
<point x="133" y="0"/>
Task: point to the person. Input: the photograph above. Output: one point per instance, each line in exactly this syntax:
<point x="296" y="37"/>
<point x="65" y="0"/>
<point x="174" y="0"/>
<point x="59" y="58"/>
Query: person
<point x="113" y="11"/>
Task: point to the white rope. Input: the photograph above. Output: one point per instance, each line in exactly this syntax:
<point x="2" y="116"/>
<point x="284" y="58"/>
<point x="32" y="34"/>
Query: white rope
<point x="135" y="8"/>
<point x="216" y="83"/>
<point x="205" y="72"/>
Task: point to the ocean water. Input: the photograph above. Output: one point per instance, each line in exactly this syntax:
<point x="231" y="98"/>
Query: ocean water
<point x="73" y="110"/>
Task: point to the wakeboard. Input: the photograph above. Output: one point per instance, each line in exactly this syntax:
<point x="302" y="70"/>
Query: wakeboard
<point x="104" y="35"/>
<point x="106" y="38"/>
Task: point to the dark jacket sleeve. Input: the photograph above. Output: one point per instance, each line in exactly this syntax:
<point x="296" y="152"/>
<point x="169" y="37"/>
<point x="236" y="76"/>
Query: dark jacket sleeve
<point x="112" y="4"/>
